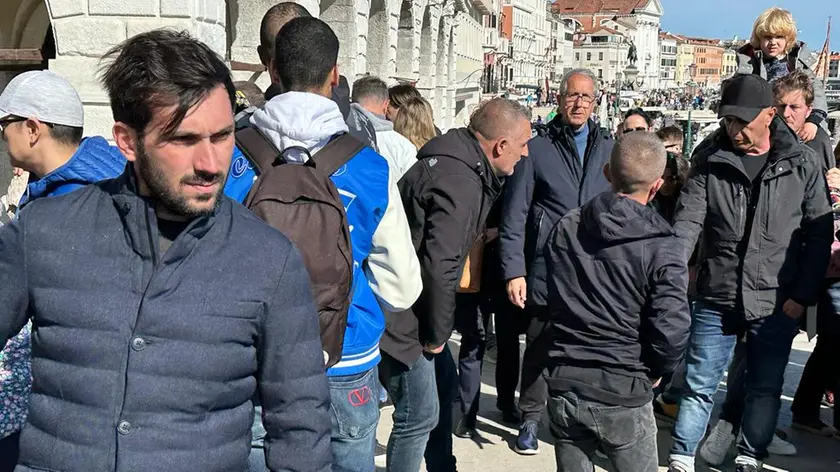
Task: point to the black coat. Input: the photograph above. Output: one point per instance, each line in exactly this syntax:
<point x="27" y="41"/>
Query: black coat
<point x="545" y="186"/>
<point x="784" y="254"/>
<point x="617" y="294"/>
<point x="146" y="363"/>
<point x="821" y="144"/>
<point x="447" y="197"/>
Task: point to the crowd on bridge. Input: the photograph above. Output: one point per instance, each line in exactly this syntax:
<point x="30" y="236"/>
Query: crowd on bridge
<point x="238" y="278"/>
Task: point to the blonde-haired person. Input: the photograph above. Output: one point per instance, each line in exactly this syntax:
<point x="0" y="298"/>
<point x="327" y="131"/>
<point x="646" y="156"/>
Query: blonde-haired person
<point x="415" y="121"/>
<point x="773" y="52"/>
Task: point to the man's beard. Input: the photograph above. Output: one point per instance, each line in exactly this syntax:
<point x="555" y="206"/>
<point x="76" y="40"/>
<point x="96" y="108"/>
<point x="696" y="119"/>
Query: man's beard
<point x="170" y="198"/>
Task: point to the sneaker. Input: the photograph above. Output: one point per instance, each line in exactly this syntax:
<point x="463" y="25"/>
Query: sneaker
<point x="664" y="410"/>
<point x="747" y="464"/>
<point x="676" y="466"/>
<point x="815" y="426"/>
<point x="717" y="445"/>
<point x="780" y="447"/>
<point x="527" y="443"/>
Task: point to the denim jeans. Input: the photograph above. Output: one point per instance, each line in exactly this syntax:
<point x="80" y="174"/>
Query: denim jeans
<point x="438" y="455"/>
<point x="714" y="334"/>
<point x="354" y="408"/>
<point x="626" y="434"/>
<point x="416" y="410"/>
<point x="354" y="412"/>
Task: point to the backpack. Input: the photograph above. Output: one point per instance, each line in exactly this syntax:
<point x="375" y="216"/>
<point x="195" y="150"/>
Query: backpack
<point x="301" y="201"/>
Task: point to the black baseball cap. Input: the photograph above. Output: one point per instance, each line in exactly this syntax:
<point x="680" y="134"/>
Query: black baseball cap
<point x="745" y="97"/>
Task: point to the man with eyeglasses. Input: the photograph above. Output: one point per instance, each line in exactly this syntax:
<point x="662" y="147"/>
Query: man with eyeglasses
<point x="759" y="198"/>
<point x="41" y="119"/>
<point x="564" y="171"/>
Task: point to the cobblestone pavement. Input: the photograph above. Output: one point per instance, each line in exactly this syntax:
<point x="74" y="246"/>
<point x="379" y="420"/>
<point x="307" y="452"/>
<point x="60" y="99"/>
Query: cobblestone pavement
<point x="492" y="452"/>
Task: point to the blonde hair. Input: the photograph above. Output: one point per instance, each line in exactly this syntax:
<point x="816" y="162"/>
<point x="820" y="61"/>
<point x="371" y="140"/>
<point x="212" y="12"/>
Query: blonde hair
<point x="415" y="121"/>
<point x="774" y="22"/>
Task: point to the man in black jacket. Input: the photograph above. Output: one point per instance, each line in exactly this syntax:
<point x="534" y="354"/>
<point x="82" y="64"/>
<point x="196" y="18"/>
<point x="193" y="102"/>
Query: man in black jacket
<point x="447" y="196"/>
<point x="759" y="198"/>
<point x="617" y="294"/>
<point x="159" y="307"/>
<point x="564" y="172"/>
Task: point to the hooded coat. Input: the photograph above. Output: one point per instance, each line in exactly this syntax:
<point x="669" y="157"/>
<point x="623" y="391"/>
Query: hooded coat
<point x="617" y="294"/>
<point x="447" y="197"/>
<point x="396" y="148"/>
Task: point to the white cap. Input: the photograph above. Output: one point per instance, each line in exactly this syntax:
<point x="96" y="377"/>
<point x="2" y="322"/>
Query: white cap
<point x="43" y="95"/>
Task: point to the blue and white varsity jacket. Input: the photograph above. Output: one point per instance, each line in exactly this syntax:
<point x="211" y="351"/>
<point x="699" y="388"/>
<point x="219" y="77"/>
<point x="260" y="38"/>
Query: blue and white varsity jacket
<point x="386" y="272"/>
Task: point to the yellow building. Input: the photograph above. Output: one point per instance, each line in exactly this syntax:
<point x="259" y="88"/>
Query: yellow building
<point x="685" y="58"/>
<point x="730" y="64"/>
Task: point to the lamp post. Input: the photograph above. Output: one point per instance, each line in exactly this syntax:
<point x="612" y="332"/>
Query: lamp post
<point x="618" y="82"/>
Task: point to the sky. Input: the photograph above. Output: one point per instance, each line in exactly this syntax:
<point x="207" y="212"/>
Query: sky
<point x="724" y="19"/>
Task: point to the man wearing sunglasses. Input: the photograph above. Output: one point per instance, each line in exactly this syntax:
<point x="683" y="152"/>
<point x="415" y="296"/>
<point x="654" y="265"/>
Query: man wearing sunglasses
<point x="564" y="171"/>
<point x="636" y="119"/>
<point x="759" y="198"/>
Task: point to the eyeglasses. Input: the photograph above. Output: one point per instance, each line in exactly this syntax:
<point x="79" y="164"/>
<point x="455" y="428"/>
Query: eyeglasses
<point x="4" y="123"/>
<point x="630" y="130"/>
<point x="586" y="99"/>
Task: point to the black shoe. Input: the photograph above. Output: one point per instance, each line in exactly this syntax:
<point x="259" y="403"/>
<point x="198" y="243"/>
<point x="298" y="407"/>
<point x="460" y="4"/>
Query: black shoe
<point x="464" y="430"/>
<point x="511" y="414"/>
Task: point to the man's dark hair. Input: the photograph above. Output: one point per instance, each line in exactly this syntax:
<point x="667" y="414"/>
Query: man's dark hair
<point x="66" y="135"/>
<point x="399" y="94"/>
<point x="639" y="112"/>
<point x="370" y="87"/>
<point x="796" y="80"/>
<point x="670" y="134"/>
<point x="305" y="53"/>
<point x="274" y="19"/>
<point x="158" y="69"/>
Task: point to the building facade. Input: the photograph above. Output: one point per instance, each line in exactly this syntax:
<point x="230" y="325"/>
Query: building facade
<point x="668" y="44"/>
<point x="415" y="41"/>
<point x="642" y="17"/>
<point x="529" y="44"/>
<point x="730" y="64"/>
<point x="708" y="56"/>
<point x="685" y="61"/>
<point x="604" y="52"/>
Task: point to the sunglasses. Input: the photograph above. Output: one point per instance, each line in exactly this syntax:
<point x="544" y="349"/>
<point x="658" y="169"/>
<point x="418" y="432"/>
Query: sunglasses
<point x="630" y="130"/>
<point x="7" y="121"/>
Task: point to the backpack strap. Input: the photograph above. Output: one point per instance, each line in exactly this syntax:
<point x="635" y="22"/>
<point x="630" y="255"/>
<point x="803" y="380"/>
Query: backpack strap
<point x="337" y="153"/>
<point x="257" y="148"/>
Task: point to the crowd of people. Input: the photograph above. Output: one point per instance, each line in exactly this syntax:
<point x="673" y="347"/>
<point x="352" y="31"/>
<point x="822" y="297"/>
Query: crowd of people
<point x="243" y="277"/>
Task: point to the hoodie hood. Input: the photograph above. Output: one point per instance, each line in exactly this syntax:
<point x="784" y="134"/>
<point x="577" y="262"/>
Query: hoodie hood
<point x="612" y="219"/>
<point x="93" y="161"/>
<point x="299" y="119"/>
<point x="461" y="145"/>
<point x="380" y="123"/>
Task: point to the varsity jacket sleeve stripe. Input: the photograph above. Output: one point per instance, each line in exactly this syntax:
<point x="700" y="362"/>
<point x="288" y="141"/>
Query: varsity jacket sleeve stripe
<point x="14" y="292"/>
<point x="392" y="267"/>
<point x="292" y="381"/>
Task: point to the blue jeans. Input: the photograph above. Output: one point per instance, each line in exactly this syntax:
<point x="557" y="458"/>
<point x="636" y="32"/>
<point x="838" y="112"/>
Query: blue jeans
<point x="416" y="409"/>
<point x="714" y="334"/>
<point x="438" y="455"/>
<point x="354" y="411"/>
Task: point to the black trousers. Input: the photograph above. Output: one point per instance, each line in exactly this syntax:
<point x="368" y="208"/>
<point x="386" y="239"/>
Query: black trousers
<point x="472" y="313"/>
<point x="534" y="393"/>
<point x="9" y="452"/>
<point x="821" y="373"/>
<point x="510" y="322"/>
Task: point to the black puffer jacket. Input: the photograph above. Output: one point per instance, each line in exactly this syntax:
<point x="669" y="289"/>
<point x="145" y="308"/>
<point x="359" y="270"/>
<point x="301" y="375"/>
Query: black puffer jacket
<point x="545" y="186"/>
<point x="617" y="292"/>
<point x="447" y="197"/>
<point x="144" y="362"/>
<point x="784" y="254"/>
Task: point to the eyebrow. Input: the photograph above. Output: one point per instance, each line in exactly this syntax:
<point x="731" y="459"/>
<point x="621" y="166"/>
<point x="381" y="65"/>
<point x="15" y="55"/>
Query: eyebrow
<point x="188" y="135"/>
